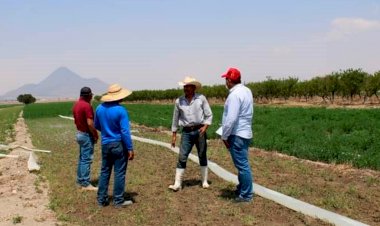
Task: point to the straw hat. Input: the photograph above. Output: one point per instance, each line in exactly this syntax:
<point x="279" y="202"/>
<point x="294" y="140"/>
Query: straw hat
<point x="115" y="92"/>
<point x="190" y="81"/>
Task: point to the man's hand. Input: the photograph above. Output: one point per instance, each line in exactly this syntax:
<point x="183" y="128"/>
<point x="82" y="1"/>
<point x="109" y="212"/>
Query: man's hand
<point x="131" y="155"/>
<point x="226" y="144"/>
<point x="202" y="130"/>
<point x="174" y="138"/>
<point x="96" y="137"/>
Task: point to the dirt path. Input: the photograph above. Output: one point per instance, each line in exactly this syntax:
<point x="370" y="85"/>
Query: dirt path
<point x="23" y="195"/>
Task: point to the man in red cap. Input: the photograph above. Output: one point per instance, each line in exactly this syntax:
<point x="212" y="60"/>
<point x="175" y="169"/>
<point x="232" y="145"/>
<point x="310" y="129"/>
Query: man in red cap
<point x="237" y="131"/>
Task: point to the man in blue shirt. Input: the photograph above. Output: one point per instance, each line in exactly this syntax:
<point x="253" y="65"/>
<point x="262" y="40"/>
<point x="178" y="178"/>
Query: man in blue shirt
<point x="112" y="120"/>
<point x="237" y="131"/>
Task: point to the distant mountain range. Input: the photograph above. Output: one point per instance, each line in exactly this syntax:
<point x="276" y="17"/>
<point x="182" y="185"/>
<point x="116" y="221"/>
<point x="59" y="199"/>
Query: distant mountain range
<point x="62" y="83"/>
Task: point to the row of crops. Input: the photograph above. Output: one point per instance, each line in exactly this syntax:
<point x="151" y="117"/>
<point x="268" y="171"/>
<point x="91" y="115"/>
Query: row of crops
<point x="319" y="134"/>
<point x="8" y="117"/>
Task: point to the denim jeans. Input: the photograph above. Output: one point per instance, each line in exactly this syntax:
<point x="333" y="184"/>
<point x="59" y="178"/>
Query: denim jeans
<point x="86" y="152"/>
<point x="239" y="153"/>
<point x="113" y="155"/>
<point x="188" y="140"/>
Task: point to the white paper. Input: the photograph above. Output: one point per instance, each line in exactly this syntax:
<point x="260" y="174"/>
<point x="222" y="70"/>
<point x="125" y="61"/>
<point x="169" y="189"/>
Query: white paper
<point x="219" y="131"/>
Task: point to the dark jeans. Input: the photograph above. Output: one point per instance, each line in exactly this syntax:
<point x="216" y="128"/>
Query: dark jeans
<point x="86" y="152"/>
<point x="188" y="140"/>
<point x="239" y="153"/>
<point x="113" y="155"/>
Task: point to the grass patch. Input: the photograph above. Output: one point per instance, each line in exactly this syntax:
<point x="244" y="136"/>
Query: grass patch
<point x="17" y="219"/>
<point x="8" y="117"/>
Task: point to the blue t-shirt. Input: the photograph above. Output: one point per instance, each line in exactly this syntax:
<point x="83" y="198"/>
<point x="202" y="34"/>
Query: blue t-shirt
<point x="112" y="120"/>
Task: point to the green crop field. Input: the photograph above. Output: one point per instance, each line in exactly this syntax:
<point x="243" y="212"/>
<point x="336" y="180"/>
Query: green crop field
<point x="319" y="134"/>
<point x="45" y="110"/>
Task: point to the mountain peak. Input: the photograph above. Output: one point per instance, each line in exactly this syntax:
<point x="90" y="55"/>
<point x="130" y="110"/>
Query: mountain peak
<point x="62" y="73"/>
<point x="61" y="83"/>
<point x="63" y="69"/>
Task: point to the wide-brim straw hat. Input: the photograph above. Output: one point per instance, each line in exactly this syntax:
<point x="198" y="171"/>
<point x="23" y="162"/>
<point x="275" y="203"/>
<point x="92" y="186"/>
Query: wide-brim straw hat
<point x="190" y="81"/>
<point x="115" y="92"/>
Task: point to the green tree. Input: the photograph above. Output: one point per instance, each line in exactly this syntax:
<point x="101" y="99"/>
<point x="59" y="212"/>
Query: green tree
<point x="352" y="81"/>
<point x="287" y="87"/>
<point x="376" y="82"/>
<point x="26" y="98"/>
<point x="332" y="85"/>
<point x="371" y="86"/>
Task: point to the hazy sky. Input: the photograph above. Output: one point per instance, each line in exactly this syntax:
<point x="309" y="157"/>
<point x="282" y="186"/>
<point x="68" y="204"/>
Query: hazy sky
<point x="153" y="44"/>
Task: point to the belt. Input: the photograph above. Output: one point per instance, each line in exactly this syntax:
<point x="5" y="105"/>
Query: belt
<point x="191" y="128"/>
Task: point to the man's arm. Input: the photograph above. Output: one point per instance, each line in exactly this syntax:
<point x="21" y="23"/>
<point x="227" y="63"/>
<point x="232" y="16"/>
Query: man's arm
<point x="175" y="122"/>
<point x="93" y="131"/>
<point x="230" y="116"/>
<point x="125" y="130"/>
<point x="207" y="116"/>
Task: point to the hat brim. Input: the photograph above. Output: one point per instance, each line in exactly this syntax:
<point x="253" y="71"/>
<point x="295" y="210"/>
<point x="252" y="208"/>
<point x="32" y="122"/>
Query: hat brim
<point x="197" y="85"/>
<point x="117" y="96"/>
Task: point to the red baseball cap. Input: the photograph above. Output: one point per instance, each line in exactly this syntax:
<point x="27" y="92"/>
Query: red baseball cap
<point x="232" y="73"/>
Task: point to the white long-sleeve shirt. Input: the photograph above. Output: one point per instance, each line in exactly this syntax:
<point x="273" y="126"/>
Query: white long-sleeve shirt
<point x="196" y="112"/>
<point x="238" y="113"/>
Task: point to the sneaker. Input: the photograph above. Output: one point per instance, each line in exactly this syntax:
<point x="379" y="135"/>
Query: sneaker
<point x="240" y="199"/>
<point x="124" y="204"/>
<point x="89" y="188"/>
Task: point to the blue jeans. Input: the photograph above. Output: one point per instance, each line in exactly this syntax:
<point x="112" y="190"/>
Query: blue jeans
<point x="188" y="140"/>
<point x="86" y="152"/>
<point x="239" y="153"/>
<point x="113" y="155"/>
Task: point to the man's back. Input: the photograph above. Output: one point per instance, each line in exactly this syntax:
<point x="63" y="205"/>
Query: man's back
<point x="82" y="111"/>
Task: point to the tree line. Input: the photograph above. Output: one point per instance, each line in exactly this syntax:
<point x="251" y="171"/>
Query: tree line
<point x="346" y="84"/>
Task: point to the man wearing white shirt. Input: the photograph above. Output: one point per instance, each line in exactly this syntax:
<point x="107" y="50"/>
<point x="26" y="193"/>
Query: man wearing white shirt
<point x="237" y="131"/>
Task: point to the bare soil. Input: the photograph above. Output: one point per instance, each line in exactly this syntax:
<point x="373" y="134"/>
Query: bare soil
<point x="23" y="195"/>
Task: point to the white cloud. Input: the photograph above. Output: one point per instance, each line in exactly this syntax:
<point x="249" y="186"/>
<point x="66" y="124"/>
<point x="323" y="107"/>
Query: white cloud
<point x="344" y="27"/>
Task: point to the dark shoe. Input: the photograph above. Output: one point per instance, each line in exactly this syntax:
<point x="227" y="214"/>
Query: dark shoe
<point x="104" y="204"/>
<point x="240" y="199"/>
<point x="124" y="204"/>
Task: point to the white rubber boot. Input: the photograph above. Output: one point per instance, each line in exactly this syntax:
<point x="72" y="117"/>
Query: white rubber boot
<point x="178" y="180"/>
<point x="204" y="173"/>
